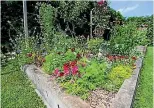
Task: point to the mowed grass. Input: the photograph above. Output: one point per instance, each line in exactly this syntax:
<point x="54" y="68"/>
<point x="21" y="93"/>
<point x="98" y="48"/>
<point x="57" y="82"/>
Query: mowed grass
<point x="144" y="94"/>
<point x="16" y="90"/>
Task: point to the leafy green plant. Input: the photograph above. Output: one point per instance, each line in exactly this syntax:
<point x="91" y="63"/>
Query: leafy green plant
<point x="119" y="73"/>
<point x="125" y="38"/>
<point x="47" y="15"/>
<point x="52" y="62"/>
<point x="63" y="42"/>
<point x="150" y="31"/>
<point x="122" y="39"/>
<point x="69" y="56"/>
<point x="91" y="77"/>
<point x="94" y="44"/>
<point x="141" y="38"/>
<point x="55" y="60"/>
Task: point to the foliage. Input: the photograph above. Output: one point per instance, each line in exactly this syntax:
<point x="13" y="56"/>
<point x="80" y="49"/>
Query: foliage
<point x="141" y="38"/>
<point x="139" y="20"/>
<point x="119" y="73"/>
<point x="55" y="60"/>
<point x="12" y="21"/>
<point x="47" y="15"/>
<point x="69" y="56"/>
<point x="125" y="38"/>
<point x="16" y="88"/>
<point x="150" y="31"/>
<point x="75" y="15"/>
<point x="101" y="15"/>
<point x="63" y="42"/>
<point x="91" y="78"/>
<point x="94" y="44"/>
<point x="122" y="39"/>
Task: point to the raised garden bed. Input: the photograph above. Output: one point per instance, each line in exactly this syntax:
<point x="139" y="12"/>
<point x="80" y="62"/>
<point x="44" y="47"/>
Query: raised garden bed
<point x="55" y="97"/>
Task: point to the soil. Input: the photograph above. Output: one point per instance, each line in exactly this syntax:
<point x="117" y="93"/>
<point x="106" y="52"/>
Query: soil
<point x="100" y="98"/>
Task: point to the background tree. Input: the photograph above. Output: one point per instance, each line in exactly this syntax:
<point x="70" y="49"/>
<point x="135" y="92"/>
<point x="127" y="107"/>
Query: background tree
<point x="71" y="17"/>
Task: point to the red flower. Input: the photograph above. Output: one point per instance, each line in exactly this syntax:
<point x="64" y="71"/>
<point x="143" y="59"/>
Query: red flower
<point x="122" y="57"/>
<point x="66" y="69"/>
<point x="66" y="65"/>
<point x="72" y="49"/>
<point x="100" y="2"/>
<point x="134" y="58"/>
<point x="116" y="57"/>
<point x="78" y="56"/>
<point x="73" y="63"/>
<point x="29" y="54"/>
<point x="74" y="70"/>
<point x="61" y="74"/>
<point x="110" y="58"/>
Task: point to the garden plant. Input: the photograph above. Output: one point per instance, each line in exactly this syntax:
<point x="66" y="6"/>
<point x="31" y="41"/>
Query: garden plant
<point x="78" y="63"/>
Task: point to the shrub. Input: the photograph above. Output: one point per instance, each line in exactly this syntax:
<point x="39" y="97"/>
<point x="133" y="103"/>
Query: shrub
<point x="122" y="40"/>
<point x="150" y="31"/>
<point x="125" y="38"/>
<point x="94" y="44"/>
<point x="63" y="42"/>
<point x="141" y="38"/>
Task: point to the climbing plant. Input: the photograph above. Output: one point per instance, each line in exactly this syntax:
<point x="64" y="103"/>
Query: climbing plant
<point x="47" y="18"/>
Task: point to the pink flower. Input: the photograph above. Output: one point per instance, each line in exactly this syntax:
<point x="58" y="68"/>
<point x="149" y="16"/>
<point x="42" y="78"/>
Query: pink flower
<point x="74" y="70"/>
<point x="100" y="3"/>
<point x="56" y="71"/>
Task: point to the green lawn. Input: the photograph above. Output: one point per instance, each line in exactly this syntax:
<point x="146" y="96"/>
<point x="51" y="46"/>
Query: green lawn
<point x="17" y="91"/>
<point x="144" y="94"/>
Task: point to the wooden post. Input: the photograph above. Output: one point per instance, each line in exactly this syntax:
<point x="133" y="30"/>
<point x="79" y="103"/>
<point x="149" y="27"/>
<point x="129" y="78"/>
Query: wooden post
<point x="25" y="21"/>
<point x="91" y="24"/>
